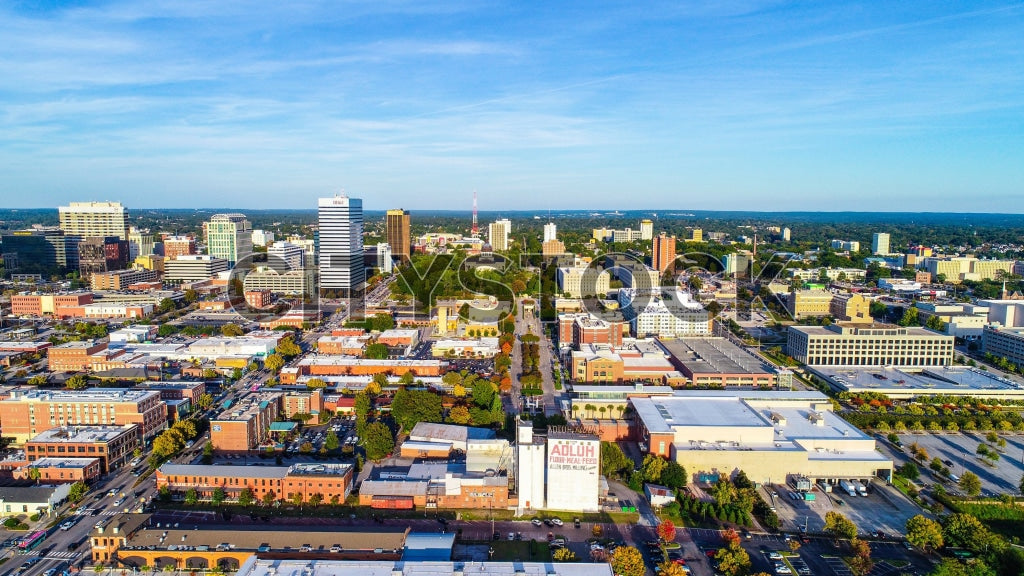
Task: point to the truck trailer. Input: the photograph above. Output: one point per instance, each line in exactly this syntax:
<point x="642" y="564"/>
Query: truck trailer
<point x="848" y="487"/>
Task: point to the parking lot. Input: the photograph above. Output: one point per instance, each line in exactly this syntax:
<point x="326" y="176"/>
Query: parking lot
<point x="884" y="509"/>
<point x="960" y="450"/>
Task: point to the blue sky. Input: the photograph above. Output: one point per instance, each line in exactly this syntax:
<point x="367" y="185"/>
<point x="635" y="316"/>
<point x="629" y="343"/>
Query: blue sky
<point x="743" y="104"/>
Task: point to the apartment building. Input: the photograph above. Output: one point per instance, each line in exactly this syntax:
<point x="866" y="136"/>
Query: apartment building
<point x="26" y="414"/>
<point x="302" y="402"/>
<point x="585" y="328"/>
<point x="666" y="313"/>
<point x="583" y="281"/>
<point x="245" y="426"/>
<point x="846" y="344"/>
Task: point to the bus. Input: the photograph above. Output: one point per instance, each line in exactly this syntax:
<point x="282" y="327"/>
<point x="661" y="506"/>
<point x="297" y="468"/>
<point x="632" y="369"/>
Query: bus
<point x="31" y="541"/>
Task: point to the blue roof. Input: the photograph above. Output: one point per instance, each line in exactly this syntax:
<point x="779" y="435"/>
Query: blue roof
<point x="429" y="546"/>
<point x="282" y="426"/>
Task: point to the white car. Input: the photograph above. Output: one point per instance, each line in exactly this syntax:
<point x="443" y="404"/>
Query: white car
<point x="781" y="568"/>
<point x="556" y="521"/>
<point x="67" y="525"/>
<point x="775" y="555"/>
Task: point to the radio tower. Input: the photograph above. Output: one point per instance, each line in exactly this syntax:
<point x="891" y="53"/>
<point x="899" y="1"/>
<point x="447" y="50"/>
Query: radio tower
<point x="476" y="228"/>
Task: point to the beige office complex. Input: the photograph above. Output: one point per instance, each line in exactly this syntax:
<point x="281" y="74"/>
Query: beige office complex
<point x="769" y="435"/>
<point x="849" y="344"/>
<point x="85" y="219"/>
<point x="1005" y="343"/>
<point x="851" y="308"/>
<point x="808" y="303"/>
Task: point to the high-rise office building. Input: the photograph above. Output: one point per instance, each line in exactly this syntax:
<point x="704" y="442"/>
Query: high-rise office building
<point x="497" y="234"/>
<point x="384" y="255"/>
<point x="646" y="230"/>
<point x="139" y="244"/>
<point x="663" y="252"/>
<point x="36" y="251"/>
<point x="341" y="245"/>
<point x="175" y="246"/>
<point x="550" y="232"/>
<point x="283" y="256"/>
<point x="99" y="254"/>
<point x="229" y="237"/>
<point x="880" y="243"/>
<point x="81" y="220"/>
<point x="397" y="229"/>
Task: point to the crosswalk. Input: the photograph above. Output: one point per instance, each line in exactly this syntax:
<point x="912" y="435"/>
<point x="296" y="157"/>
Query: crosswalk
<point x="55" y="555"/>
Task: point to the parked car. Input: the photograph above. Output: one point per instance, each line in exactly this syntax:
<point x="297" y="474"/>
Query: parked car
<point x="556" y="521"/>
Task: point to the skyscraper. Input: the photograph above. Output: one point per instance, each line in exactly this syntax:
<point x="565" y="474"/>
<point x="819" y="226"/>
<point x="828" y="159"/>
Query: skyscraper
<point x="139" y="244"/>
<point x="81" y="220"/>
<point x="663" y="252"/>
<point x="397" y="225"/>
<point x="880" y="243"/>
<point x="384" y="255"/>
<point x="550" y="232"/>
<point x="341" y="245"/>
<point x="497" y="234"/>
<point x="646" y="230"/>
<point x="229" y="237"/>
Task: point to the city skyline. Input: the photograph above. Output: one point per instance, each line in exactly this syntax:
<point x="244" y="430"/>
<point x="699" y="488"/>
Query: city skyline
<point x="753" y="106"/>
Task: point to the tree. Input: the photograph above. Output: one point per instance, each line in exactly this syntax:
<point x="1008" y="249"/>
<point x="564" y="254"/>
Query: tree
<point x="208" y="453"/>
<point x="970" y="483"/>
<point x="627" y="561"/>
<point x="331" y="441"/>
<point x="667" y="531"/>
<point x="564" y="555"/>
<point x="34" y="474"/>
<point x="410" y="407"/>
<point x="165" y="306"/>
<point x="268" y="498"/>
<point x="909" y="317"/>
<point x="316" y="499"/>
<point x="924" y="533"/>
<point x="231" y="329"/>
<point x="909" y="471"/>
<point x="217" y="498"/>
<point x="191" y="497"/>
<point x="274" y="362"/>
<point x="246" y="497"/>
<point x="861" y="563"/>
<point x="315" y="383"/>
<point x="965" y="531"/>
<point x="376" y="351"/>
<point x="613" y="461"/>
<point x="191" y="296"/>
<point x="733" y="560"/>
<point x="288" y="348"/>
<point x="381" y="322"/>
<point x="77" y="382"/>
<point x="378" y="441"/>
<point x="669" y="568"/>
<point x="459" y="415"/>
<point x="77" y="491"/>
<point x="840" y="526"/>
<point x="204" y="401"/>
<point x="970" y="567"/>
<point x="653" y="466"/>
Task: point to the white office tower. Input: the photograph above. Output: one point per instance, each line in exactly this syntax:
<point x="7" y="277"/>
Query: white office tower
<point x="574" y="471"/>
<point x="229" y="237"/>
<point x="787" y="234"/>
<point x="285" y="255"/>
<point x="341" y="246"/>
<point x="529" y="467"/>
<point x="880" y="243"/>
<point x="384" y="262"/>
<point x="497" y="234"/>
<point x="646" y="230"/>
<point x="139" y="244"/>
<point x="550" y="232"/>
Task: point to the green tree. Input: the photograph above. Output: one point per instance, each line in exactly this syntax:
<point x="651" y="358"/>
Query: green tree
<point x="410" y="407"/>
<point x="217" y="498"/>
<point x="378" y="441"/>
<point x="840" y="526"/>
<point x="191" y="497"/>
<point x="246" y="497"/>
<point x="231" y="329"/>
<point x="288" y="348"/>
<point x="331" y="441"/>
<point x="924" y="533"/>
<point x="381" y="322"/>
<point x="208" y="453"/>
<point x="76" y="382"/>
<point x="274" y="362"/>
<point x="909" y="471"/>
<point x="165" y="306"/>
<point x="459" y="415"/>
<point x="268" y="498"/>
<point x="733" y="560"/>
<point x="191" y="296"/>
<point x="970" y="483"/>
<point x="969" y="567"/>
<point x="614" y="462"/>
<point x="653" y="466"/>
<point x="376" y="351"/>
<point x="204" y="401"/>
<point x="315" y="499"/>
<point x="627" y="561"/>
<point x="314" y="383"/>
<point x="909" y="317"/>
<point x="965" y="531"/>
<point x="77" y="491"/>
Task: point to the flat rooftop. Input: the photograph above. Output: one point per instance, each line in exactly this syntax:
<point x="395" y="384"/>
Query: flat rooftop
<point x="953" y="380"/>
<point x="248" y="407"/>
<point x="72" y="463"/>
<point x="662" y="414"/>
<point x="260" y="567"/>
<point x="75" y="434"/>
<point x="87" y="395"/>
<point x="714" y="356"/>
<point x="314" y="469"/>
<point x="321" y="360"/>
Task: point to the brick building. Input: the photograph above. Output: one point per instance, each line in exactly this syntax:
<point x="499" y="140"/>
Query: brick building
<point x="111" y="445"/>
<point x="74" y="356"/>
<point x="245" y="426"/>
<point x="62" y="470"/>
<point x="26" y="414"/>
<point x="333" y="482"/>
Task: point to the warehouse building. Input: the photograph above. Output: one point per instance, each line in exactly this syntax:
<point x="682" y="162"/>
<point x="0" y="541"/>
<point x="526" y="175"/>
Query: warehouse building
<point x="770" y="435"/>
<point x="559" y="470"/>
<point x="938" y="380"/>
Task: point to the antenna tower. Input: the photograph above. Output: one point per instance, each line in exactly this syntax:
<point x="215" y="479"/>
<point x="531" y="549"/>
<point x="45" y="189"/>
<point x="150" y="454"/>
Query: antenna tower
<point x="476" y="227"/>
